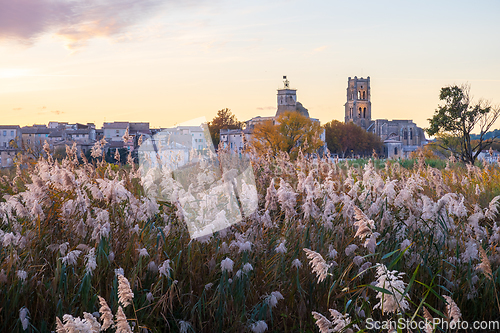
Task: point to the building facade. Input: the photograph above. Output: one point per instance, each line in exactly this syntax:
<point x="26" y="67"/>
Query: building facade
<point x="358" y="108"/>
<point x="400" y="137"/>
<point x="10" y="144"/>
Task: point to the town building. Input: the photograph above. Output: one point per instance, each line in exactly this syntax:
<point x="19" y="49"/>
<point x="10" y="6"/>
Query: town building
<point x="10" y="144"/>
<point x="193" y="137"/>
<point x="58" y="134"/>
<point x="175" y="146"/>
<point x="34" y="137"/>
<point x="114" y="134"/>
<point x="400" y="137"/>
<point x="489" y="156"/>
<point x="115" y="131"/>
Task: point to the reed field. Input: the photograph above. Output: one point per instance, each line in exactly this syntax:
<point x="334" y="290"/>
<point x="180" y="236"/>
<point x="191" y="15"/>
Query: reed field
<point x="83" y="248"/>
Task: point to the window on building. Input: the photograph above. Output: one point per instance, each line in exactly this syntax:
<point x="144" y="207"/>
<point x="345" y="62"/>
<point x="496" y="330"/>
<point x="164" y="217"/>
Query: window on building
<point x="117" y="131"/>
<point x="11" y="133"/>
<point x="364" y="96"/>
<point x="364" y="112"/>
<point x="4" y="133"/>
<point x="411" y="133"/>
<point x="395" y="150"/>
<point x="405" y="135"/>
<point x="359" y="113"/>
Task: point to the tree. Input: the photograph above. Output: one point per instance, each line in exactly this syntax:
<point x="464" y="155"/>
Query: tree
<point x="454" y="122"/>
<point x="291" y="133"/>
<point x="223" y="120"/>
<point x="266" y="136"/>
<point x="427" y="152"/>
<point x="342" y="138"/>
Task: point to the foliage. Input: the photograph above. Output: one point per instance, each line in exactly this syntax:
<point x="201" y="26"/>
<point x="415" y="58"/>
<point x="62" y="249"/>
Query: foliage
<point x="489" y="135"/>
<point x="427" y="152"/>
<point x="223" y="120"/>
<point x="59" y="153"/>
<point x="454" y="122"/>
<point x="495" y="145"/>
<point x="348" y="139"/>
<point x="291" y="133"/>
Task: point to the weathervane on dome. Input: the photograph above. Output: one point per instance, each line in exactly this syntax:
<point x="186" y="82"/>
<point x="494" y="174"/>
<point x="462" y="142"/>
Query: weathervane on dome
<point x="286" y="82"/>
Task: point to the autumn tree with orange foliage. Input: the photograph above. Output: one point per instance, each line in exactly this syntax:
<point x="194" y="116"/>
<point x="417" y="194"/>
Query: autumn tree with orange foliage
<point x="426" y="152"/>
<point x="291" y="133"/>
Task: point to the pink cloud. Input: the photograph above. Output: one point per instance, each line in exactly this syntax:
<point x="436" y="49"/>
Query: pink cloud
<point x="75" y="21"/>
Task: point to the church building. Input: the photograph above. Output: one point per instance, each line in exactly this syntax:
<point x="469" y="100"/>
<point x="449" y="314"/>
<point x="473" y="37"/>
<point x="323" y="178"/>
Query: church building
<point x="400" y="137"/>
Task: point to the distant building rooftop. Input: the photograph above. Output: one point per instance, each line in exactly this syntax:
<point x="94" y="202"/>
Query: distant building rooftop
<point x="116" y="125"/>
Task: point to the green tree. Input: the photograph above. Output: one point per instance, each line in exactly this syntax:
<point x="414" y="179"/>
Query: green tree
<point x="454" y="122"/>
<point x="223" y="120"/>
<point x="344" y="138"/>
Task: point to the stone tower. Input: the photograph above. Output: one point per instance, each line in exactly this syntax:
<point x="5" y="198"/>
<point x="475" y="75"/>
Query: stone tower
<point x="287" y="100"/>
<point x="358" y="107"/>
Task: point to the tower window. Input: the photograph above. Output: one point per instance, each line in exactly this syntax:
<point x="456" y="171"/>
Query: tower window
<point x="359" y="113"/>
<point x="411" y="133"/>
<point x="395" y="150"/>
<point x="364" y="96"/>
<point x="364" y="112"/>
<point x="405" y="135"/>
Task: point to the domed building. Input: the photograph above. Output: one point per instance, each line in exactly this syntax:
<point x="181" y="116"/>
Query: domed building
<point x="287" y="100"/>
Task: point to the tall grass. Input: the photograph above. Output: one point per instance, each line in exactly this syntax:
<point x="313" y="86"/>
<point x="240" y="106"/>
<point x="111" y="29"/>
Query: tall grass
<point x="424" y="221"/>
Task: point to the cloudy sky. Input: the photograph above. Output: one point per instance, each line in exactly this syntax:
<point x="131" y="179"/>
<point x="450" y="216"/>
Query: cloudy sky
<point x="166" y="62"/>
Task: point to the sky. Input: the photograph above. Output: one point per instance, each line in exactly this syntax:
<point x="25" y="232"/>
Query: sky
<point x="166" y="62"/>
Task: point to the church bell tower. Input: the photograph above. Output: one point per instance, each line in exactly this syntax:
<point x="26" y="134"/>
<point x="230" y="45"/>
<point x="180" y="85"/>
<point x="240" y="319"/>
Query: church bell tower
<point x="358" y="107"/>
<point x="287" y="98"/>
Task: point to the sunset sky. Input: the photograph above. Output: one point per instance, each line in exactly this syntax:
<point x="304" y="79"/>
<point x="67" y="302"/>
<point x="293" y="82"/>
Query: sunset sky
<point x="166" y="62"/>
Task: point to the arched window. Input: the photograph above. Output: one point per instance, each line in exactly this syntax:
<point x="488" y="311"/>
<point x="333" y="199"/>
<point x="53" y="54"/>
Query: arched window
<point x="411" y="133"/>
<point x="405" y="135"/>
<point x="359" y="94"/>
<point x="364" y="95"/>
<point x="395" y="150"/>
<point x="364" y="112"/>
<point x="359" y="113"/>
